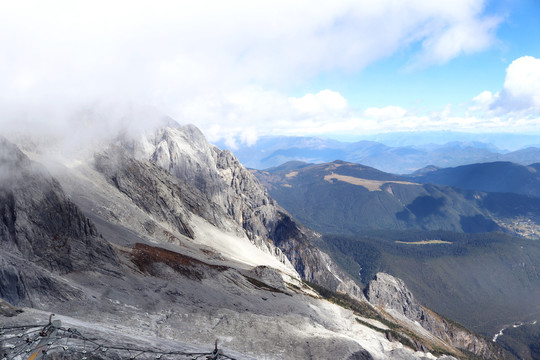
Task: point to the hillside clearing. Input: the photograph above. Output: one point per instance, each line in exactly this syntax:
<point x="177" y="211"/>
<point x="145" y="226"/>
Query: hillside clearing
<point x="424" y="242"/>
<point x="371" y="185"/>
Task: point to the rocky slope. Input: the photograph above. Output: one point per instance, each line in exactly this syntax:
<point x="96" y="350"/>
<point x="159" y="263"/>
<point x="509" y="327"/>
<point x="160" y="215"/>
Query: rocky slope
<point x="391" y="294"/>
<point x="184" y="152"/>
<point x="42" y="233"/>
<point x="180" y="246"/>
<point x="54" y="257"/>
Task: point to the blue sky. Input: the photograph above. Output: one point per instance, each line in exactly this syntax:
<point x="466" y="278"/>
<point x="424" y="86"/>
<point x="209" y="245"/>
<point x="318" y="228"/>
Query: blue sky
<point x="241" y="69"/>
<point x="390" y="81"/>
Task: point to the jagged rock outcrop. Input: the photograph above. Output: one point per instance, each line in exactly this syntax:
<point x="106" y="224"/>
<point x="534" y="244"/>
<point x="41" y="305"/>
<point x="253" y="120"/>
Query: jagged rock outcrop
<point x="177" y="284"/>
<point x="247" y="202"/>
<point x="390" y="293"/>
<point x="262" y="218"/>
<point x="160" y="195"/>
<point x="184" y="152"/>
<point x="167" y="200"/>
<point x="39" y="223"/>
<point x="360" y="355"/>
<point x="311" y="263"/>
<point x="40" y="228"/>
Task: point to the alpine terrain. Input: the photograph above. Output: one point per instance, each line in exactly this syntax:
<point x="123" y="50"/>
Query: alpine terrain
<point x="393" y="153"/>
<point x="161" y="245"/>
<point x="469" y="251"/>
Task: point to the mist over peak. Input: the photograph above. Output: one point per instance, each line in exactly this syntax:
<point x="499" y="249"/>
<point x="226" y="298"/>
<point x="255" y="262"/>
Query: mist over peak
<point x="78" y="132"/>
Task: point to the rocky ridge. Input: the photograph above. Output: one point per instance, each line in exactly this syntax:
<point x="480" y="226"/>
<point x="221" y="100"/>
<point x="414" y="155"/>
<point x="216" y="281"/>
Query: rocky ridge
<point x="142" y="285"/>
<point x="42" y="233"/>
<point x="190" y="254"/>
<point x="185" y="152"/>
<point x="391" y="294"/>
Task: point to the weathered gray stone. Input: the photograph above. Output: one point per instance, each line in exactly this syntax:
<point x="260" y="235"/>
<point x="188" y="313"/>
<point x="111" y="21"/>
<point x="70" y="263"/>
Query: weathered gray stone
<point x="40" y="226"/>
<point x="225" y="183"/>
<point x="360" y="355"/>
<point x="389" y="292"/>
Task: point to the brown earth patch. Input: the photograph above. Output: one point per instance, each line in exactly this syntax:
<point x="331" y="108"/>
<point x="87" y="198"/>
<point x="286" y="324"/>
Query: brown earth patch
<point x="145" y="256"/>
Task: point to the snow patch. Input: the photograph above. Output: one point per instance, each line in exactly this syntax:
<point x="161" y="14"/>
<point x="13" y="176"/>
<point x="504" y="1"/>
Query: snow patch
<point x="235" y="247"/>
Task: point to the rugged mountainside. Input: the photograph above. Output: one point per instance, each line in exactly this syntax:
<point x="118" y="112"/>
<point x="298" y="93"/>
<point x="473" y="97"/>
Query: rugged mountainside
<point x="230" y="186"/>
<point x="42" y="233"/>
<point x="393" y="295"/>
<point x="169" y="238"/>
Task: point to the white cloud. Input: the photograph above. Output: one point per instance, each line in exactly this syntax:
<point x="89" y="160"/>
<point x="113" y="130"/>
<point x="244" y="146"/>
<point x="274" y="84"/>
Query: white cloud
<point x="521" y="89"/>
<point x="325" y="101"/>
<point x="388" y="112"/>
<point x="483" y="101"/>
<point x="520" y="96"/>
<point x="463" y="33"/>
<point x="197" y="61"/>
<point x="249" y="136"/>
<point x="226" y="66"/>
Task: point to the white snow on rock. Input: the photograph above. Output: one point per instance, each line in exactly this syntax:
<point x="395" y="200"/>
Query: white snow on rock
<point x="235" y="247"/>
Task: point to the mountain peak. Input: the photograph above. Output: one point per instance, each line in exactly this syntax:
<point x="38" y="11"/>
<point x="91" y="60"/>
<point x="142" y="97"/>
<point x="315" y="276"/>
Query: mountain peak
<point x="167" y="234"/>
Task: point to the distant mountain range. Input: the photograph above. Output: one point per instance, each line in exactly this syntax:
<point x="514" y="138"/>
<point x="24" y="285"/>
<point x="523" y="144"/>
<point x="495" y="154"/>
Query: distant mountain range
<point x="399" y="159"/>
<point x="508" y="141"/>
<point x="346" y="198"/>
<point x="456" y="248"/>
<point x="503" y="177"/>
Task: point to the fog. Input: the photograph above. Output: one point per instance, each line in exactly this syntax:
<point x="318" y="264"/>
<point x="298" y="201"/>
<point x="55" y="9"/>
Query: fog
<point x="83" y="70"/>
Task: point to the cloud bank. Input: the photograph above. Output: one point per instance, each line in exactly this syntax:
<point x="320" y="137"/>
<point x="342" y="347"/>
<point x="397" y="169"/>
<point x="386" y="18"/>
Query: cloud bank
<point x="226" y="66"/>
<point x="521" y="91"/>
<point x="513" y="109"/>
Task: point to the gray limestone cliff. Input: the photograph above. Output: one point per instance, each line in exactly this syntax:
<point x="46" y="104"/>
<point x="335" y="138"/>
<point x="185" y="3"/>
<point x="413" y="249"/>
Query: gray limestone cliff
<point x="390" y="293"/>
<point x="184" y="152"/>
<point x="41" y="232"/>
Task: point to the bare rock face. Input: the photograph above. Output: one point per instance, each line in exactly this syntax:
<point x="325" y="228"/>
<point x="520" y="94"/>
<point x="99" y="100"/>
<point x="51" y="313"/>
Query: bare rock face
<point x="246" y="201"/>
<point x="360" y="355"/>
<point x="388" y="292"/>
<point x="311" y="263"/>
<point x="156" y="195"/>
<point x="41" y="227"/>
<point x="266" y="222"/>
<point x="184" y="152"/>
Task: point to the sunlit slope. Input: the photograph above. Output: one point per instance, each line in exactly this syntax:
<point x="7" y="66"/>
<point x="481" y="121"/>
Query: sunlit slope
<point x="347" y="198"/>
